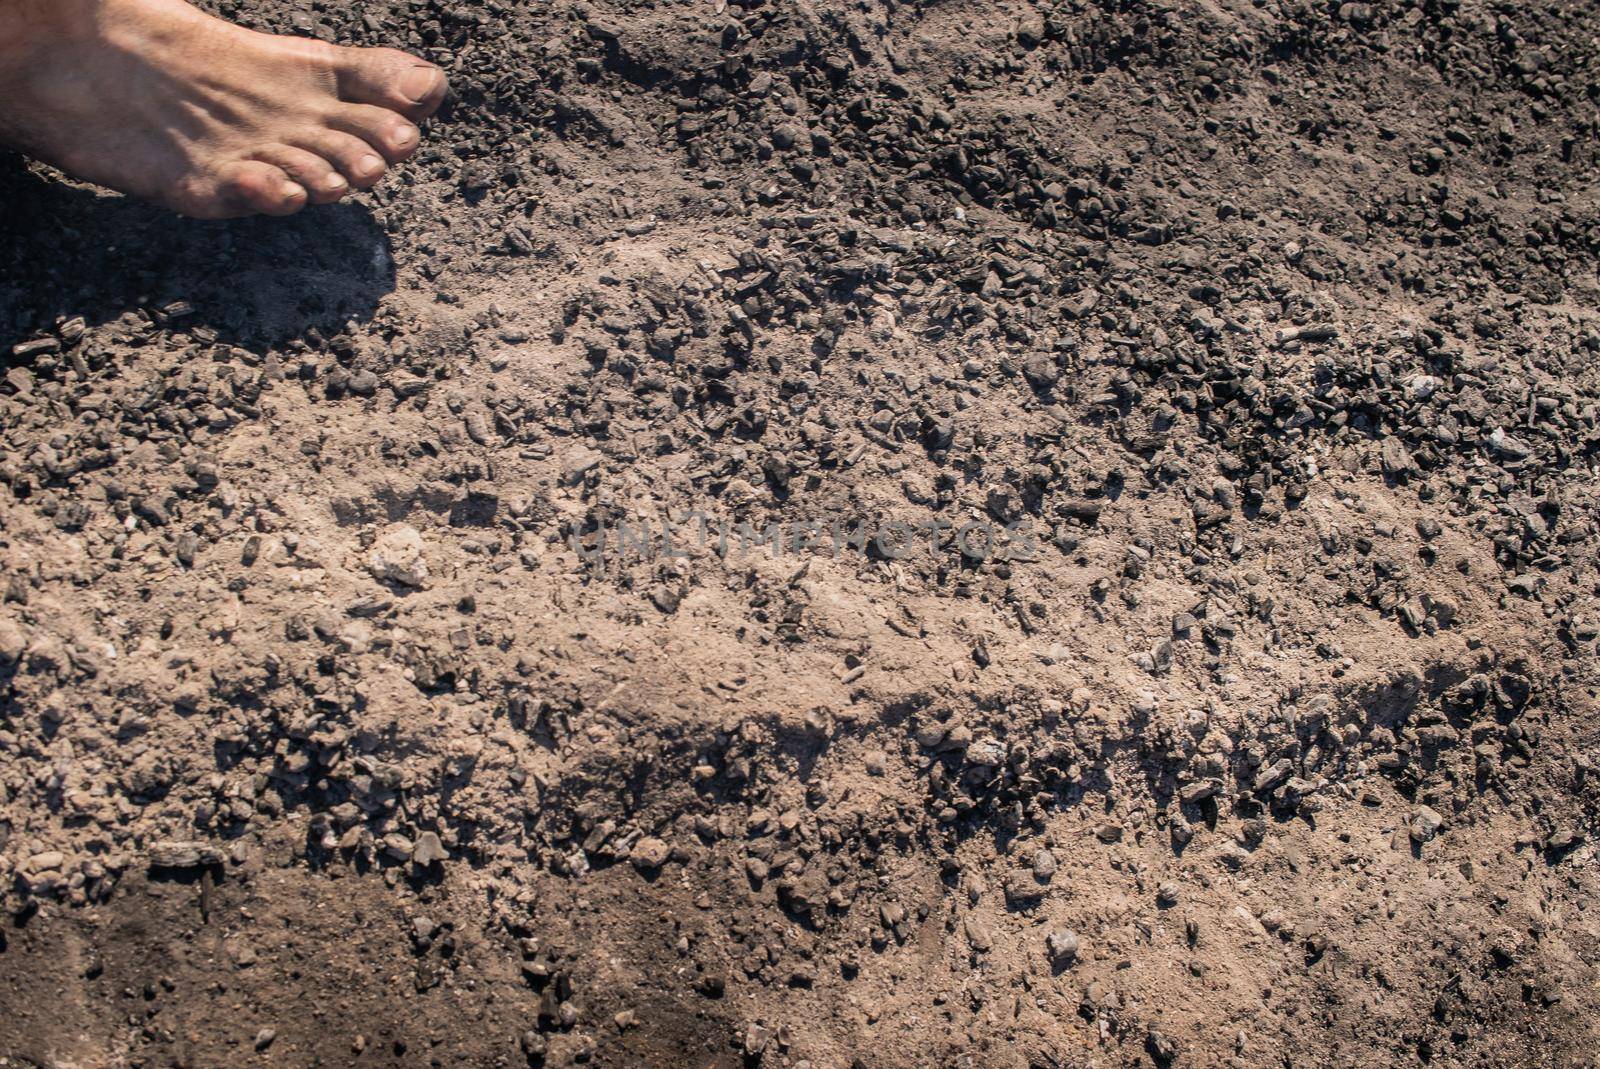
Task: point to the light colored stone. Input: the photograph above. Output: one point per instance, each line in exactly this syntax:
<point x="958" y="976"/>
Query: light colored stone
<point x="649" y="853"/>
<point x="182" y="855"/>
<point x="399" y="556"/>
<point x="429" y="849"/>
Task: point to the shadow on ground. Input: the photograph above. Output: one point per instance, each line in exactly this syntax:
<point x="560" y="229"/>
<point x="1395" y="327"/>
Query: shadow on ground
<point x="67" y="251"/>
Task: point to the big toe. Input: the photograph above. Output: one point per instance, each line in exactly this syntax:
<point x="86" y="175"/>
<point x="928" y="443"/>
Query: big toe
<point x="392" y="79"/>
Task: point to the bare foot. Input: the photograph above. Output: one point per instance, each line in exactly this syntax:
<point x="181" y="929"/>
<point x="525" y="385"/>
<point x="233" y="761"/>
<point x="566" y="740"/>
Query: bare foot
<point x="159" y="100"/>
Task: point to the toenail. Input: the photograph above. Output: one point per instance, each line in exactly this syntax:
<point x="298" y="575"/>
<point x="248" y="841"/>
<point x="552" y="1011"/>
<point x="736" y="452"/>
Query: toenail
<point x="333" y="182"/>
<point x="406" y="134"/>
<point x="369" y="164"/>
<point x="419" y="83"/>
<point x="292" y="191"/>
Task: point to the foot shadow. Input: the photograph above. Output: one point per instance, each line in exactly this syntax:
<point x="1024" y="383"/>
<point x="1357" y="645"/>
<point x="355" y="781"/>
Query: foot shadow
<point x="257" y="283"/>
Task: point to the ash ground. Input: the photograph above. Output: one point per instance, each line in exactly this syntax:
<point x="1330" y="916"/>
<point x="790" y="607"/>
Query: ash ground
<point x="324" y="743"/>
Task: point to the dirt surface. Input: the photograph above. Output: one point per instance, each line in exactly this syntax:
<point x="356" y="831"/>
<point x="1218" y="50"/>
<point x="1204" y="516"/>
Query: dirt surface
<point x="350" y="719"/>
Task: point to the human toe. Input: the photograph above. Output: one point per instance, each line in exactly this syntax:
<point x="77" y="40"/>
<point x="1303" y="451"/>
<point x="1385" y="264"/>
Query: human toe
<point x="387" y="78"/>
<point x="254" y="186"/>
<point x="353" y="157"/>
<point x="314" y="173"/>
<point x="393" y="136"/>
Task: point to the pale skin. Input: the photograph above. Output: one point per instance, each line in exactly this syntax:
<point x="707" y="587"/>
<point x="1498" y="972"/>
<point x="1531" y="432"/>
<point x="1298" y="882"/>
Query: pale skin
<point x="158" y="100"/>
